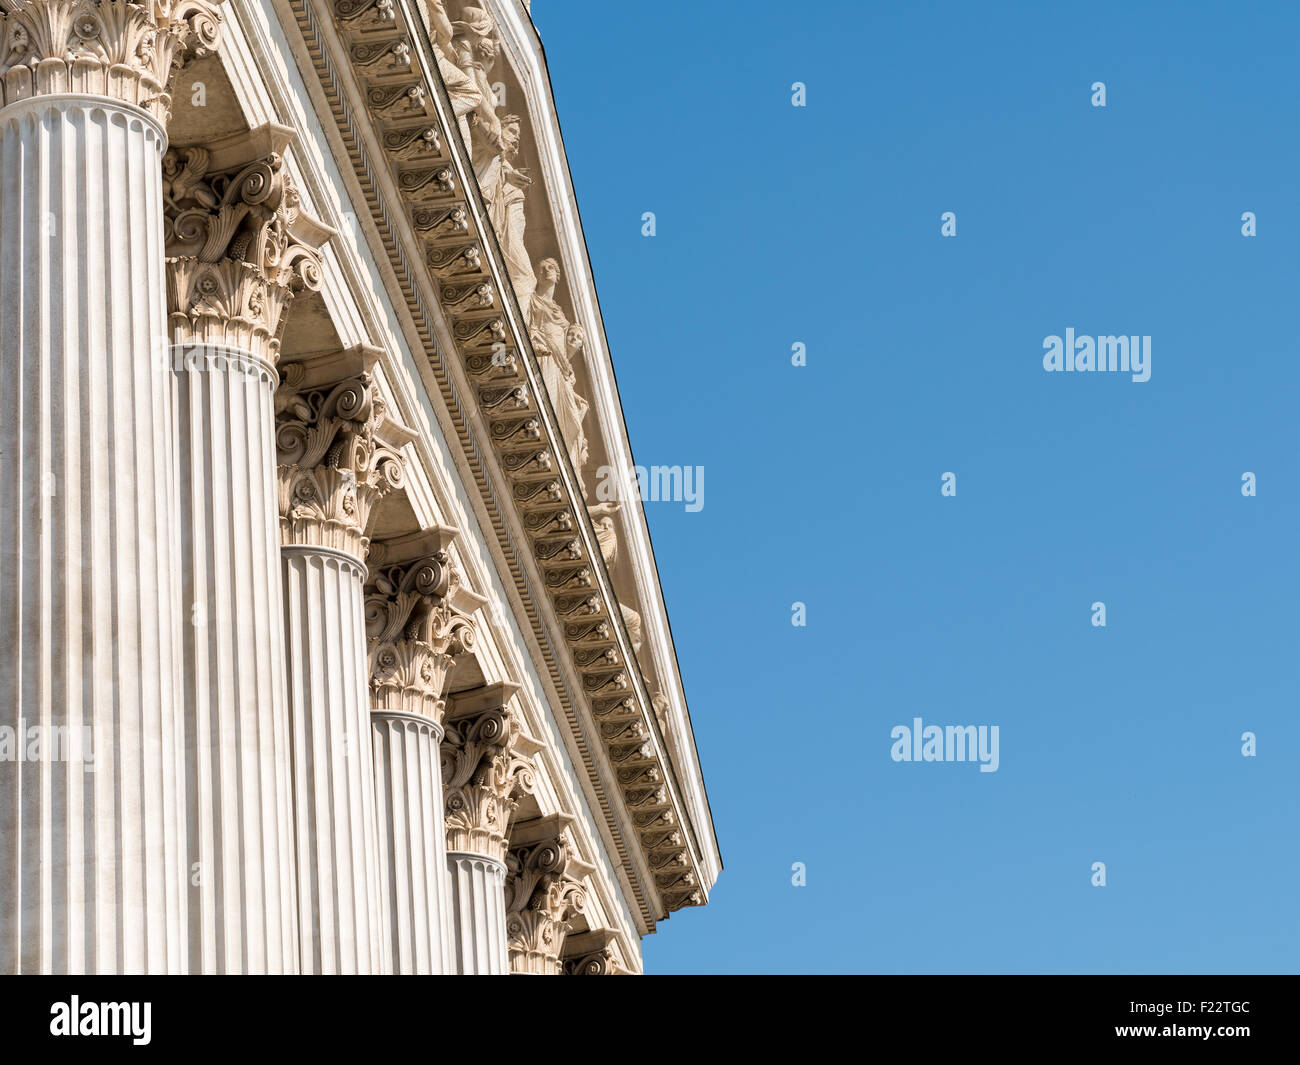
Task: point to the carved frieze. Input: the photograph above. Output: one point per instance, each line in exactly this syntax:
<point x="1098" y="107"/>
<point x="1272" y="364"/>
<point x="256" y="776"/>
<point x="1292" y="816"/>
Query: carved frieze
<point x="493" y="346"/>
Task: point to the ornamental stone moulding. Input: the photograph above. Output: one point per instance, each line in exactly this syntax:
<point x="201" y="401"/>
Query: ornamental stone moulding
<point x="418" y="620"/>
<point x="591" y="953"/>
<point x="424" y="177"/>
<point x="239" y="245"/>
<point x="487" y="768"/>
<point x="339" y="451"/>
<point x="545" y="892"/>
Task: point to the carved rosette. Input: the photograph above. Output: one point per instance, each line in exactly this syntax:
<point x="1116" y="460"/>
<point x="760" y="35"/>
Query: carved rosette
<point x="110" y="48"/>
<point x="542" y="896"/>
<point x="483" y="777"/>
<point x="233" y="262"/>
<point x="413" y="634"/>
<point x="334" y="463"/>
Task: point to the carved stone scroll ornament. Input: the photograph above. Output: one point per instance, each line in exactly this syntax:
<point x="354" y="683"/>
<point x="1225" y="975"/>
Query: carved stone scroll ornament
<point x="338" y="456"/>
<point x="542" y="897"/>
<point x="598" y="963"/>
<point x="590" y="953"/>
<point x="233" y="257"/>
<point x="413" y="635"/>
<point x="107" y="48"/>
<point x="483" y="778"/>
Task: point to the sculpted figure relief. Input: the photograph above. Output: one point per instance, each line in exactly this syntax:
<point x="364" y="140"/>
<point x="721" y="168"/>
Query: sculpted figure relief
<point x="503" y="187"/>
<point x="467" y="51"/>
<point x="558" y="344"/>
<point x="602" y="518"/>
<point x="467" y="44"/>
<point x="475" y="51"/>
<point x="462" y="86"/>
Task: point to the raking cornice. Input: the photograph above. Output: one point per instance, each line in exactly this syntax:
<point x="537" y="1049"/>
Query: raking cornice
<point x="377" y="52"/>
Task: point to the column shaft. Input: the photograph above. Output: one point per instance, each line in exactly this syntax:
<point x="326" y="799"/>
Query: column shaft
<point x="92" y="851"/>
<point x="478" y="914"/>
<point x="342" y="910"/>
<point x="412" y="841"/>
<point x="244" y="908"/>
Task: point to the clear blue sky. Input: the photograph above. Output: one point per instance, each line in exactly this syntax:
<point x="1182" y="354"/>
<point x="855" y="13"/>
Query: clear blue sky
<point x="821" y="225"/>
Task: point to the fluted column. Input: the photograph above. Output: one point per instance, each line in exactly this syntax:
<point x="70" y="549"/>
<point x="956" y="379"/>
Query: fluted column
<point x="338" y="456"/>
<point x="486" y="767"/>
<point x="339" y="899"/>
<point x="411" y="853"/>
<point x="226" y="309"/>
<point x="478" y="913"/>
<point x="93" y="867"/>
<point x="414" y="633"/>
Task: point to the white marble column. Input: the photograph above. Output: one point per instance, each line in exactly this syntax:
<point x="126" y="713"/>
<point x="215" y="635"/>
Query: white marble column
<point x="340" y="903"/>
<point x="93" y="866"/>
<point x="416" y="626"/>
<point x="243" y="904"/>
<point x="412" y="850"/>
<point x="414" y="631"/>
<point x="226" y="312"/>
<point x="338" y="456"/>
<point x="486" y="767"/>
<point x="478" y="913"/>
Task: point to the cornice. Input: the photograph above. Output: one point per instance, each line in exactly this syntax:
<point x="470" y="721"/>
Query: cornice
<point x="523" y="51"/>
<point x="272" y="75"/>
<point x="390" y="62"/>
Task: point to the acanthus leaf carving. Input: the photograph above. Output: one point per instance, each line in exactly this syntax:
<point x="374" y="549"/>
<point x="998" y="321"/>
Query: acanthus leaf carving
<point x="339" y="454"/>
<point x="413" y="633"/>
<point x="233" y="259"/>
<point x="544" y="892"/>
<point x="484" y="775"/>
<point x="112" y="48"/>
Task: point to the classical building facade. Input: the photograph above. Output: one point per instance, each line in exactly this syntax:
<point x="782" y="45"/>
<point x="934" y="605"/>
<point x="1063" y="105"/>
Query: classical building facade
<point x="314" y="655"/>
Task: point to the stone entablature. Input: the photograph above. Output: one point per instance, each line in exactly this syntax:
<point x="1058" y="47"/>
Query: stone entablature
<point x="414" y="119"/>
